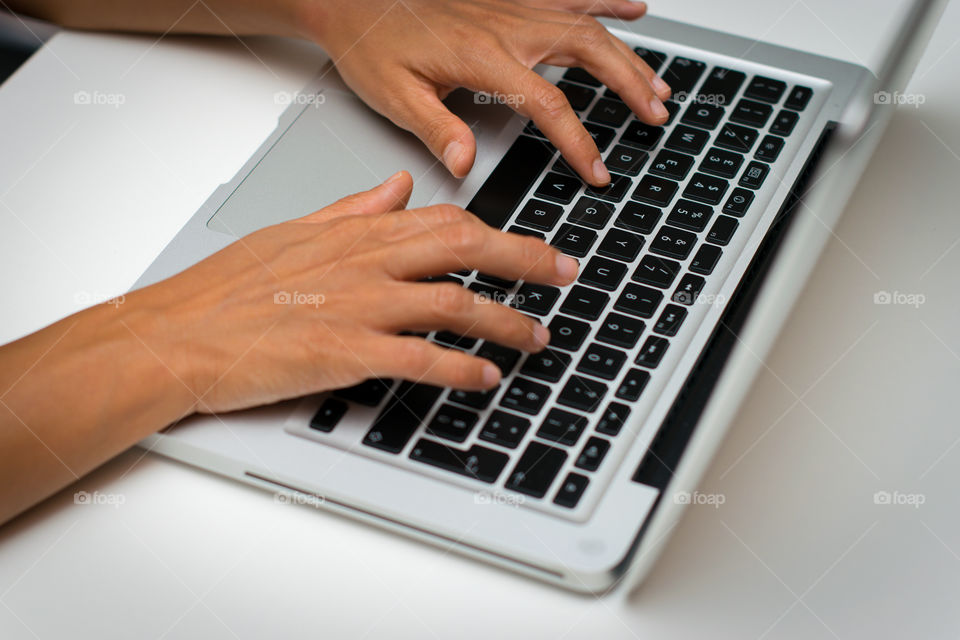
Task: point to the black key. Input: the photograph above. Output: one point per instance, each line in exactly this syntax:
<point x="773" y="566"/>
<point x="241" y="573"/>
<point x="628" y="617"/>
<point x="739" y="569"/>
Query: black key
<point x="736" y="138"/>
<point x="602" y="136"/>
<point x="454" y="340"/>
<point x="533" y="130"/>
<point x="488" y="293"/>
<point x="536" y="469"/>
<point x="547" y="365"/>
<point x="368" y="393"/>
<point x="579" y="97"/>
<point x="766" y="89"/>
<point x="452" y="423"/>
<point x="641" y="135"/>
<point x="751" y="113"/>
<point x="721" y="163"/>
<point x="673" y="243"/>
<point x="567" y="333"/>
<point x="558" y="187"/>
<point x="612" y="113"/>
<point x="578" y="74"/>
<point x="570" y="491"/>
<point x="656" y="191"/>
<point x="673" y="108"/>
<point x="505" y="429"/>
<point x="638" y="300"/>
<point x="621" y="245"/>
<point x="784" y="123"/>
<point x="671" y="164"/>
<point x="561" y="166"/>
<point x="537" y="299"/>
<point x="622" y="331"/>
<point x="540" y="215"/>
<point x="654" y="59"/>
<point x="585" y="303"/>
<point x="523" y="231"/>
<point x="738" y="202"/>
<point x="688" y="139"/>
<point x="798" y="98"/>
<point x="614" y="191"/>
<point x="690" y="215"/>
<point x="613" y="419"/>
<point x="504" y="357"/>
<point x="562" y="426"/>
<point x="496" y="281"/>
<point x="473" y="399"/>
<point x="574" y="240"/>
<point x="670" y="320"/>
<point x="706" y="188"/>
<point x="632" y="386"/>
<point x="703" y="115"/>
<point x="603" y="273"/>
<point x="652" y="352"/>
<point x="476" y="462"/>
<point x="328" y="415"/>
<point x="656" y="271"/>
<point x="525" y="396"/>
<point x="722" y="230"/>
<point x="626" y="160"/>
<point x="705" y="259"/>
<point x="689" y="289"/>
<point x="405" y="411"/>
<point x="593" y="453"/>
<point x="754" y="175"/>
<point x="446" y="278"/>
<point x="602" y="362"/>
<point x="769" y="149"/>
<point x="721" y="86"/>
<point x="638" y="217"/>
<point x="682" y="76"/>
<point x="582" y="393"/>
<point x="499" y="196"/>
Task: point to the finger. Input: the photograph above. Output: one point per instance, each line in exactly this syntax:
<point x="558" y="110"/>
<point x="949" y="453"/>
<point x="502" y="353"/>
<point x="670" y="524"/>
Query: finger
<point x="474" y="245"/>
<point x="391" y="195"/>
<point x="417" y="360"/>
<point x="623" y="9"/>
<point x="660" y="87"/>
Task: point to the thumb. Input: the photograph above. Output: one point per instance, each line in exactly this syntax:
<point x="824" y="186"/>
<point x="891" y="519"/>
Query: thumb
<point x="390" y="195"/>
<point x="447" y="136"/>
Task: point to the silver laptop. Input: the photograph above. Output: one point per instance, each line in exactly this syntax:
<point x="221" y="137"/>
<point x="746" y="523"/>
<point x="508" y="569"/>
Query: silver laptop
<point x="579" y="464"/>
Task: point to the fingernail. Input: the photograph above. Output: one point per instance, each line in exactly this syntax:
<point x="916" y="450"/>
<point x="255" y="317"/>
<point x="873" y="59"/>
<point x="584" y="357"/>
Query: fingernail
<point x="491" y="374"/>
<point x="600" y="173"/>
<point x="659" y="85"/>
<point x="451" y="156"/>
<point x="541" y="335"/>
<point x="567" y="267"/>
<point x="393" y="178"/>
<point x="658" y="109"/>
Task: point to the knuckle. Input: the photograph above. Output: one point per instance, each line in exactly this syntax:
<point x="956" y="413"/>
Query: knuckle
<point x="450" y="300"/>
<point x="590" y="35"/>
<point x="551" y="101"/>
<point x="464" y="236"/>
<point x="450" y="214"/>
<point x="415" y="356"/>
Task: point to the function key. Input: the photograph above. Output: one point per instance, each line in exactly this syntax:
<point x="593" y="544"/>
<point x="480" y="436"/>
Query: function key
<point x="536" y="469"/>
<point x="656" y="191"/>
<point x="578" y="96"/>
<point x="537" y="299"/>
<point x="638" y="300"/>
<point x="505" y="429"/>
<point x="570" y="491"/>
<point x="671" y="164"/>
<point x="688" y="139"/>
<point x="641" y="135"/>
<point x="613" y="419"/>
<point x="690" y="215"/>
<point x="784" y="123"/>
<point x="525" y="396"/>
<point x="721" y="163"/>
<point x="562" y="426"/>
<point x="540" y="215"/>
<point x="673" y="243"/>
<point x="622" y="331"/>
<point x="689" y="289"/>
<point x="798" y="98"/>
<point x="368" y="393"/>
<point x="722" y="230"/>
<point x="614" y="191"/>
<point x="707" y="116"/>
<point x="593" y="453"/>
<point x="737" y="138"/>
<point x="705" y="259"/>
<point x="766" y="89"/>
<point x="626" y="160"/>
<point x="612" y="113"/>
<point x="638" y="217"/>
<point x="682" y="76"/>
<point x="656" y="271"/>
<point x="582" y="393"/>
<point x="452" y="423"/>
<point x="578" y="74"/>
<point x="574" y="240"/>
<point x="670" y="320"/>
<point x="602" y="136"/>
<point x="654" y="59"/>
<point x="754" y="175"/>
<point x="751" y="113"/>
<point x="602" y="362"/>
<point x="721" y="86"/>
<point x="476" y="462"/>
<point x="567" y="333"/>
<point x="631" y="387"/>
<point x="546" y="365"/>
<point x="584" y="302"/>
<point x="603" y="273"/>
<point x="558" y="187"/>
<point x="621" y="245"/>
<point x="738" y="202"/>
<point x="769" y="149"/>
<point x="652" y="352"/>
<point x="328" y="415"/>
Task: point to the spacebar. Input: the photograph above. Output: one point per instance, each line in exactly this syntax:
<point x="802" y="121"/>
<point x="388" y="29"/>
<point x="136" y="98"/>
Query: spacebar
<point x="507" y="184"/>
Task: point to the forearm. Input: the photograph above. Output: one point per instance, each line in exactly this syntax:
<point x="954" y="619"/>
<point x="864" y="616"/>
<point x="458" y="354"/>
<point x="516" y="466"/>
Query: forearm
<point x="79" y="392"/>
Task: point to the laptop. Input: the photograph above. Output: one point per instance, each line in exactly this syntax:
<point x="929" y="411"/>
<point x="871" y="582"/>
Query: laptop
<point x="578" y="466"/>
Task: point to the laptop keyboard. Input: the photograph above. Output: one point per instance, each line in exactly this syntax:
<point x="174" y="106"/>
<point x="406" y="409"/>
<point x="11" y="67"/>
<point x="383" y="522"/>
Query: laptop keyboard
<point x="648" y="246"/>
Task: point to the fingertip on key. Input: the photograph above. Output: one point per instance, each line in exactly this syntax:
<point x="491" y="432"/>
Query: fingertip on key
<point x="600" y="173"/>
<point x="567" y="268"/>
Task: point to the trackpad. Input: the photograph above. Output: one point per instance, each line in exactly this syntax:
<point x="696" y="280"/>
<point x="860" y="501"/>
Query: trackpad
<point x="333" y="149"/>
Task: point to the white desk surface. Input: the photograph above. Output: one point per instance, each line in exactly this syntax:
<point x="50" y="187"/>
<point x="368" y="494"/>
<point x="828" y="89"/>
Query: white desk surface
<point x="856" y="397"/>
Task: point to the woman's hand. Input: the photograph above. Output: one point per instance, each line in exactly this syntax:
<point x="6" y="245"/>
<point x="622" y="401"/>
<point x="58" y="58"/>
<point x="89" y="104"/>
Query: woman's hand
<point x="403" y="57"/>
<point x="316" y="303"/>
